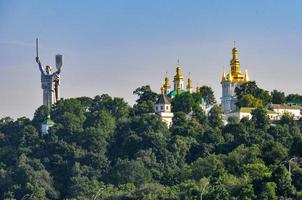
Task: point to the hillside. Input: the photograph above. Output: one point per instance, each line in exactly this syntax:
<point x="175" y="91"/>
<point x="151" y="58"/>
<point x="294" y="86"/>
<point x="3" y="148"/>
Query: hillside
<point x="102" y="148"/>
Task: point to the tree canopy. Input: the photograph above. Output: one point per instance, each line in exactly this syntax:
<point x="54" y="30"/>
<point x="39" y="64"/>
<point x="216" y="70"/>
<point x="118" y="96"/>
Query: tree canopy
<point x="103" y="148"/>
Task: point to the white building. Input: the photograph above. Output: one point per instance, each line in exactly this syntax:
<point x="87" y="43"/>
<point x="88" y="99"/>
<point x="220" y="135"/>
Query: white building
<point x="230" y="81"/>
<point x="163" y="109"/>
<point x="281" y="109"/>
<point x="246" y="112"/>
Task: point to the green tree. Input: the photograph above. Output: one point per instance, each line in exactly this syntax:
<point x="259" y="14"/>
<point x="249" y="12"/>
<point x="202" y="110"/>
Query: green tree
<point x="278" y="97"/>
<point x="215" y="117"/>
<point x="183" y="103"/>
<point x="268" y="191"/>
<point x="145" y="93"/>
<point x="41" y="114"/>
<point x="129" y="171"/>
<point x="252" y="89"/>
<point x="294" y="98"/>
<point x="260" y="118"/>
<point x="249" y="100"/>
<point x="208" y="95"/>
<point x="282" y="178"/>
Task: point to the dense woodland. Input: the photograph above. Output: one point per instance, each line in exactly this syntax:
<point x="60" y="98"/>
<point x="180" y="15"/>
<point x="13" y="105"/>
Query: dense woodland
<point x="103" y="148"/>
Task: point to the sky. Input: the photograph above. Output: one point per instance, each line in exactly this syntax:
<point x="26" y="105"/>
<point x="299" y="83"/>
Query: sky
<point x="117" y="46"/>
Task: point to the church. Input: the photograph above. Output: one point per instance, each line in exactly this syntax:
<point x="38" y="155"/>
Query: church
<point x="178" y="84"/>
<point x="230" y="81"/>
<point x="163" y="104"/>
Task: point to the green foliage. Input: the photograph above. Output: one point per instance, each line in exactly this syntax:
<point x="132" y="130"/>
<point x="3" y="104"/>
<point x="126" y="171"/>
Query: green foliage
<point x="183" y="103"/>
<point x="278" y="97"/>
<point x="40" y="116"/>
<point x="260" y="118"/>
<point x="129" y="171"/>
<point x="146" y="100"/>
<point x="294" y="98"/>
<point x="208" y="95"/>
<point x="249" y="100"/>
<point x="102" y="148"/>
<point x="257" y="95"/>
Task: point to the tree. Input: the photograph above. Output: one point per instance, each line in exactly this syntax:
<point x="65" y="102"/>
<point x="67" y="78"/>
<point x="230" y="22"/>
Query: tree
<point x="145" y="93"/>
<point x="288" y="119"/>
<point x="294" y="98"/>
<point x="210" y="166"/>
<point x="208" y="95"/>
<point x="268" y="191"/>
<point x="69" y="113"/>
<point x="252" y="89"/>
<point x="249" y="100"/>
<point x="129" y="171"/>
<point x="274" y="152"/>
<point x="215" y="117"/>
<point x="282" y="178"/>
<point x="41" y="114"/>
<point x="183" y="103"/>
<point x="278" y="97"/>
<point x="247" y="193"/>
<point x="260" y="118"/>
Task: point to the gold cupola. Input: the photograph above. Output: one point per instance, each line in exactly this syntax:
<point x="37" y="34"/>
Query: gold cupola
<point x="189" y="84"/>
<point x="162" y="90"/>
<point x="197" y="90"/>
<point x="235" y="63"/>
<point x="178" y="75"/>
<point x="166" y="85"/>
<point x="235" y="74"/>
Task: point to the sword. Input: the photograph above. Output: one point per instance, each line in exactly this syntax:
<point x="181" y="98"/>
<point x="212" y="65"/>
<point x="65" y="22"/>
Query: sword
<point x="37" y="47"/>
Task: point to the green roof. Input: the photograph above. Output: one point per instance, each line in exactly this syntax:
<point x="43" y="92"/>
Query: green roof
<point x="173" y="93"/>
<point x="49" y="122"/>
<point x="295" y="101"/>
<point x="201" y="100"/>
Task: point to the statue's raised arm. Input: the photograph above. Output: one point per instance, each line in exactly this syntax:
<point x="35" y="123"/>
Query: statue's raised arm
<point x="37" y="57"/>
<point x="40" y="65"/>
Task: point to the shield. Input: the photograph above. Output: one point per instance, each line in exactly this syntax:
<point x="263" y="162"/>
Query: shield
<point x="59" y="61"/>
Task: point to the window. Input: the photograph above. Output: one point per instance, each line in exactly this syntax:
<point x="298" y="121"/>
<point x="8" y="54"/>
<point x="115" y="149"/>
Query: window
<point x="167" y="107"/>
<point x="162" y="107"/>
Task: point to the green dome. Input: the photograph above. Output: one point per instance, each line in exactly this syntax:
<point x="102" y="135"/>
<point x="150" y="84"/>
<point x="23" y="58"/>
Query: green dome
<point x="48" y="122"/>
<point x="173" y="93"/>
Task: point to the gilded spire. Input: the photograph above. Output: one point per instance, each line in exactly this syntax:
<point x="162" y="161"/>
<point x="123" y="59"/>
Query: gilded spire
<point x="235" y="63"/>
<point x="235" y="74"/>
<point x="189" y="85"/>
<point x="178" y="75"/>
<point x="166" y="84"/>
<point x="197" y="90"/>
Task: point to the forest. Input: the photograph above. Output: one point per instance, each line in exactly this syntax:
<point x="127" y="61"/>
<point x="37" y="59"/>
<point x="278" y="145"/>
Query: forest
<point x="103" y="148"/>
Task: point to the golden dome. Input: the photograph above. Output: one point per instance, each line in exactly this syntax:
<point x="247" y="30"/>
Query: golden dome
<point x="178" y="75"/>
<point x="197" y="89"/>
<point x="235" y="75"/>
<point x="189" y="85"/>
<point x="166" y="85"/>
<point x="162" y="90"/>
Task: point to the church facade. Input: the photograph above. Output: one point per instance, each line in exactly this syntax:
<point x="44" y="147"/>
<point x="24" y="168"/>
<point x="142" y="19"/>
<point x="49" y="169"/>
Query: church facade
<point x="178" y="85"/>
<point x="230" y="81"/>
<point x="163" y="104"/>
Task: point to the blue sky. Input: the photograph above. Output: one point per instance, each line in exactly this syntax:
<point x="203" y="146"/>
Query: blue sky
<point x="116" y="46"/>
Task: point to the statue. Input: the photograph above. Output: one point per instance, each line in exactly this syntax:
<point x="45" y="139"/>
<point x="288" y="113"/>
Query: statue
<point x="50" y="82"/>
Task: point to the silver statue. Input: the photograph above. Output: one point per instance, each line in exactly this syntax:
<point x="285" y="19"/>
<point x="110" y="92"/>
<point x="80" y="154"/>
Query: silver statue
<point x="50" y="82"/>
